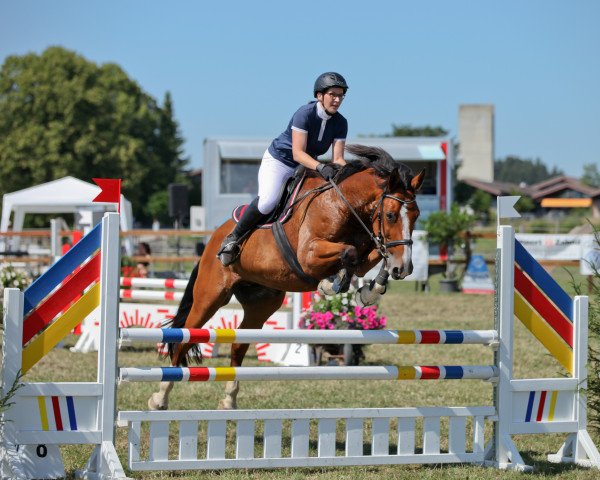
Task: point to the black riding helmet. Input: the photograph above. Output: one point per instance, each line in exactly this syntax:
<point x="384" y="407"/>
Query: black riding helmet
<point x="328" y="80"/>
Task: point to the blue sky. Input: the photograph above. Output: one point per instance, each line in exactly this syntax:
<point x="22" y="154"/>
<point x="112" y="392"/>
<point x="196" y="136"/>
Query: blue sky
<point x="241" y="68"/>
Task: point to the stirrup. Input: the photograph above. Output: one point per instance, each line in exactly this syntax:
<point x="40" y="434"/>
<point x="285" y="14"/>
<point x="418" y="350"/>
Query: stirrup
<point x="229" y="253"/>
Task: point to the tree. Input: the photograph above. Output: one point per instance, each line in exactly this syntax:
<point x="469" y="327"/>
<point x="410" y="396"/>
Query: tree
<point x="517" y="170"/>
<point x="406" y="130"/>
<point x="591" y="175"/>
<point x="444" y="229"/>
<point x="61" y="114"/>
<point x="481" y="203"/>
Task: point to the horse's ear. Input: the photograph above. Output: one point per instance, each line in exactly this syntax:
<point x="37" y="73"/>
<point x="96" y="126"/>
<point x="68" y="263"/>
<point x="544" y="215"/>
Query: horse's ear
<point x="394" y="179"/>
<point x="417" y="181"/>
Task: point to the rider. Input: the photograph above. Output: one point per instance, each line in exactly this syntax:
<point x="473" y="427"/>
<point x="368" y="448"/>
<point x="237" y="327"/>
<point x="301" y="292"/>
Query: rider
<point x="311" y="131"/>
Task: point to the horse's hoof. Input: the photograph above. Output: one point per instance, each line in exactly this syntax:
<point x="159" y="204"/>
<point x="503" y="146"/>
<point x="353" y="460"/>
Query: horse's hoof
<point x="326" y="287"/>
<point x="153" y="404"/>
<point x="227" y="404"/>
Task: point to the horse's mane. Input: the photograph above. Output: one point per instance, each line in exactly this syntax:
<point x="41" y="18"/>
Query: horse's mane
<point x="376" y="158"/>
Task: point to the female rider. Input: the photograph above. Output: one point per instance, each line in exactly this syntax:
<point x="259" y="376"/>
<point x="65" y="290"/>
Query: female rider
<point x="312" y="130"/>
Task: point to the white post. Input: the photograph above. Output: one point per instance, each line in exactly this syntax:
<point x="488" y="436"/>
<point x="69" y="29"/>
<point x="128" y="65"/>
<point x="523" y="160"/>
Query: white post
<point x="55" y="246"/>
<point x="506" y="455"/>
<point x="104" y="460"/>
<point x="11" y="351"/>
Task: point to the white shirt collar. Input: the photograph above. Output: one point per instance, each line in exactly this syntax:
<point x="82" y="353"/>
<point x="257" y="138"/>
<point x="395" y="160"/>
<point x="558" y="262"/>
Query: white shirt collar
<point x="321" y="112"/>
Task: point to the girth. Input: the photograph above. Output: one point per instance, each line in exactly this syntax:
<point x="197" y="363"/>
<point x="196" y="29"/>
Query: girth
<point x="289" y="255"/>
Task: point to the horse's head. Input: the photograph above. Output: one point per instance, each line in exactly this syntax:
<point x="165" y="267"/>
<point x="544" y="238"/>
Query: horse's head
<point x="395" y="213"/>
<point x="396" y="218"/>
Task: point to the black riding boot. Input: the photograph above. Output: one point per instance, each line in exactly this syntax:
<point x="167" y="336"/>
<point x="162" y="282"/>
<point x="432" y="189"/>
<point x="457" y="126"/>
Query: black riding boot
<point x="230" y="247"/>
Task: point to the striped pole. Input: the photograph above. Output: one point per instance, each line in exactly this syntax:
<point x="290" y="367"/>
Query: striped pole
<point x="134" y="282"/>
<point x="150" y="295"/>
<point x="221" y="374"/>
<point x="405" y="337"/>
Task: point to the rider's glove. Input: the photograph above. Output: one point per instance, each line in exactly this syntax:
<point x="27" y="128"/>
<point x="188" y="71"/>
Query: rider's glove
<point x="327" y="170"/>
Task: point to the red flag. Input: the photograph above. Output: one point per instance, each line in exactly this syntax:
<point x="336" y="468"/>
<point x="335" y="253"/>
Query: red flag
<point x="110" y="191"/>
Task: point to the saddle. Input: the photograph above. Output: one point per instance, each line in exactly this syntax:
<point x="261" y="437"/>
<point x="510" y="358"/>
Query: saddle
<point x="283" y="211"/>
<point x="287" y="196"/>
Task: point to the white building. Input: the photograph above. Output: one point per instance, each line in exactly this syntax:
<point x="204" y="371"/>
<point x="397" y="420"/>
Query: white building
<point x="229" y="177"/>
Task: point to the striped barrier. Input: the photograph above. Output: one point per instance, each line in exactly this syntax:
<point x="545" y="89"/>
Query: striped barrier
<point x="224" y="374"/>
<point x="47" y="415"/>
<point x="151" y="309"/>
<point x="405" y="337"/>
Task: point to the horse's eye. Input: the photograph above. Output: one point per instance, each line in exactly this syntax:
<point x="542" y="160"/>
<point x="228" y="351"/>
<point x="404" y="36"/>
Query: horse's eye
<point x="390" y="217"/>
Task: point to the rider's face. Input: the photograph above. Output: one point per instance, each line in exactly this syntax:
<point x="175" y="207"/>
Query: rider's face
<point x="331" y="99"/>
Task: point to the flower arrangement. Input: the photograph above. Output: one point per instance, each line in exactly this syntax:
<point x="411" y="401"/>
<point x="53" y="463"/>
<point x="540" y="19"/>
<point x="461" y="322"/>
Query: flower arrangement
<point x="340" y="312"/>
<point x="12" y="278"/>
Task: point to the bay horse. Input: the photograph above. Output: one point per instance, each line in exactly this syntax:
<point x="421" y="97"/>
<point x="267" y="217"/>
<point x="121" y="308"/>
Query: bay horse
<point x="368" y="212"/>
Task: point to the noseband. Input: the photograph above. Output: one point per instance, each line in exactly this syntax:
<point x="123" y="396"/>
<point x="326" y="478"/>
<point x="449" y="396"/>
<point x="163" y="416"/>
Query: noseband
<point x="379" y="214"/>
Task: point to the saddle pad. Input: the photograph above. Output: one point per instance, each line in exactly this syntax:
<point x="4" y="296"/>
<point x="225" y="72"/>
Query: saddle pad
<point x="285" y="214"/>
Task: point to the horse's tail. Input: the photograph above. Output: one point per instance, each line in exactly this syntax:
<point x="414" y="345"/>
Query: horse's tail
<point x="180" y="317"/>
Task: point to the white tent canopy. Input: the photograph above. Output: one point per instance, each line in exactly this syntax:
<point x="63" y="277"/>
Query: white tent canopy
<point x="65" y="195"/>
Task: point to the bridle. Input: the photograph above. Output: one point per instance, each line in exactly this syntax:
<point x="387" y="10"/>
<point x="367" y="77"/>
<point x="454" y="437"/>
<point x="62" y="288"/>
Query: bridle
<point x="379" y="240"/>
<point x="379" y="214"/>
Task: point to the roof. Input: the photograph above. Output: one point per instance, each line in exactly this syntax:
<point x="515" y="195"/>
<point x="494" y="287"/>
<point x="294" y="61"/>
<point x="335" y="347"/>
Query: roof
<point x="65" y="195"/>
<point x="400" y="148"/>
<point x="554" y="185"/>
<point x="494" y="188"/>
<point x="537" y="191"/>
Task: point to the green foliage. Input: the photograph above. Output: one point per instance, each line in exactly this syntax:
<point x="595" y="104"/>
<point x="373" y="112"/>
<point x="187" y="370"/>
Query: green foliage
<point x="158" y="207"/>
<point x="462" y="192"/>
<point x="516" y="170"/>
<point x="445" y="228"/>
<point x="406" y="130"/>
<point x="594" y="340"/>
<point x="525" y="204"/>
<point x="12" y="278"/>
<point x="481" y="203"/>
<point x="61" y="114"/>
<point x="591" y="175"/>
<point x="5" y="398"/>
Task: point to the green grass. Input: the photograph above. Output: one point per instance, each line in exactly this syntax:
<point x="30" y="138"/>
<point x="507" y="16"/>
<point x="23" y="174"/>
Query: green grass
<point x="406" y="309"/>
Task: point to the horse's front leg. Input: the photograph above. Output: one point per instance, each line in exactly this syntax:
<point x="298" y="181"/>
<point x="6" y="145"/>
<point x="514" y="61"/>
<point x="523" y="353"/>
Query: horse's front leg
<point x="238" y="352"/>
<point x="334" y="261"/>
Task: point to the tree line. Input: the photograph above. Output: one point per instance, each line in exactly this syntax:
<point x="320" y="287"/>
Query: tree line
<point x="61" y="114"/>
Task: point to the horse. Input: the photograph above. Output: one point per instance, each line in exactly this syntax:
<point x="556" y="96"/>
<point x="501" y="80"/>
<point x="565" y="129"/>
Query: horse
<point x="337" y="229"/>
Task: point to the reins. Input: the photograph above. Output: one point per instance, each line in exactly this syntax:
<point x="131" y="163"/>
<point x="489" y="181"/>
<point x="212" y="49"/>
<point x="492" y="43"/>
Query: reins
<point x="379" y="240"/>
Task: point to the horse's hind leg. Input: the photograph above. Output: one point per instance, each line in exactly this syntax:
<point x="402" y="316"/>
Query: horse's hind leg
<point x="259" y="304"/>
<point x="207" y="299"/>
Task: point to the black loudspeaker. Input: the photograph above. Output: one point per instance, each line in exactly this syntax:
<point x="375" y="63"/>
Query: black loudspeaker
<point x="178" y="200"/>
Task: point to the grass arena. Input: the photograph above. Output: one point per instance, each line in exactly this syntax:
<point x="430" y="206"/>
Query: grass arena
<point x="406" y="310"/>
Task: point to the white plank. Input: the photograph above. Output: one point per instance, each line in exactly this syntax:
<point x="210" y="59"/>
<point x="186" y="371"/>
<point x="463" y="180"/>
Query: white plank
<point x="272" y="438"/>
<point x="327" y="437"/>
<point x="431" y="435"/>
<point x="458" y="435"/>
<point x="135" y="429"/>
<point x="478" y="435"/>
<point x="354" y="437"/>
<point x="300" y="432"/>
<point x="406" y="436"/>
<point x="216" y="436"/>
<point x="245" y="439"/>
<point x="381" y="436"/>
<point x="188" y="440"/>
<point x="159" y="441"/>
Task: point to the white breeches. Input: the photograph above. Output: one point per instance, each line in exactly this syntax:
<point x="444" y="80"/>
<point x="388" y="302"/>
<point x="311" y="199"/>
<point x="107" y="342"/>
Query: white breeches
<point x="272" y="174"/>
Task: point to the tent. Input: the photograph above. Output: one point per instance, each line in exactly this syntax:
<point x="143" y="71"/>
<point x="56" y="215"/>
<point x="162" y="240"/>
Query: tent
<point x="65" y="195"/>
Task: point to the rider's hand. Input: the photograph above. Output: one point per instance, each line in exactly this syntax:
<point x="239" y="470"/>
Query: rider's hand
<point x="327" y="170"/>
